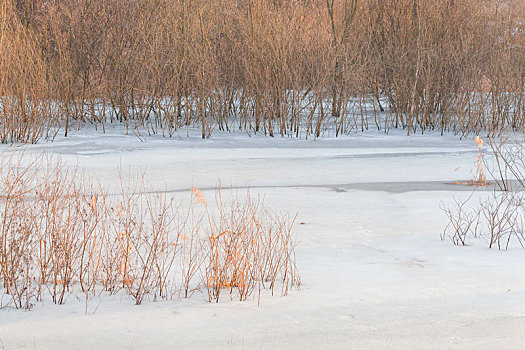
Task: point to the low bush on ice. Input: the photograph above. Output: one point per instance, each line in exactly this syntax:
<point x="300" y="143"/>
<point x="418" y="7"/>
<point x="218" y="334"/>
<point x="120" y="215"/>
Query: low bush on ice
<point x="500" y="218"/>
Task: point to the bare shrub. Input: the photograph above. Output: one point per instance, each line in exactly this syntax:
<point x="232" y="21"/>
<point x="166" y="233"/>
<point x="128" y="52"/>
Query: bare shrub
<point x="509" y="156"/>
<point x="497" y="219"/>
<point x="463" y="222"/>
<point x="248" y="248"/>
<point x="500" y="217"/>
<point x="61" y="235"/>
<point x="17" y="239"/>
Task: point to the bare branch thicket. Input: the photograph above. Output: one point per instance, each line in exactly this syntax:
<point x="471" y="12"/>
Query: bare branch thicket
<point x="500" y="217"/>
<point x="248" y="249"/>
<point x="60" y="236"/>
<point x="294" y="68"/>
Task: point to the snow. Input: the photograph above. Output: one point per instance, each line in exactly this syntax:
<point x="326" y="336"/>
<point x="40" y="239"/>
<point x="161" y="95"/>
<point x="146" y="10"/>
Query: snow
<point x="375" y="272"/>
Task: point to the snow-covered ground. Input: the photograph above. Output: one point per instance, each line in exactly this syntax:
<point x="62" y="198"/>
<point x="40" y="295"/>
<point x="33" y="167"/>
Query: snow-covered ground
<point x="375" y="273"/>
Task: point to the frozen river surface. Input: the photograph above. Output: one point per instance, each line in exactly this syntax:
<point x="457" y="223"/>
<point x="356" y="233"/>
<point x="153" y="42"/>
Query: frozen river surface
<point x="375" y="273"/>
